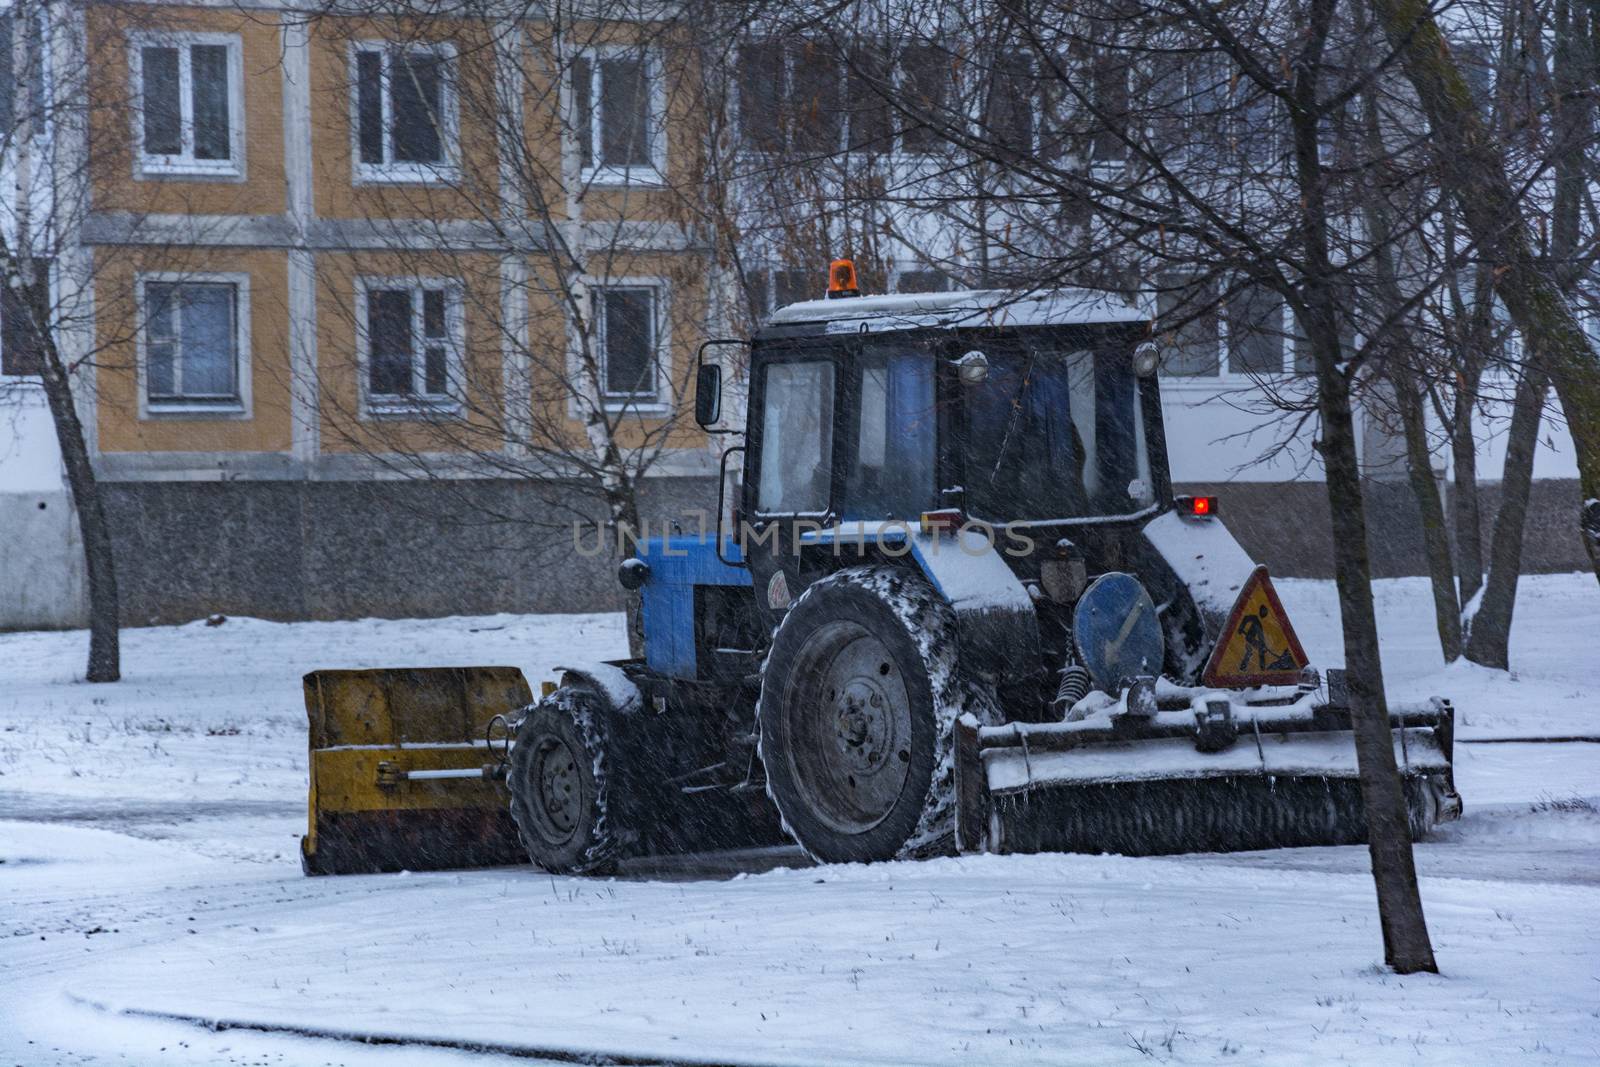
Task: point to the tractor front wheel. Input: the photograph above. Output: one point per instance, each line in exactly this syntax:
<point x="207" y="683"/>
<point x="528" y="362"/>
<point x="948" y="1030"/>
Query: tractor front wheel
<point x="857" y="700"/>
<point x="560" y="795"/>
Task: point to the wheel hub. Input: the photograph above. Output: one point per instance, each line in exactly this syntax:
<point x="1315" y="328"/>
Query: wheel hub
<point x="865" y="723"/>
<point x="560" y="799"/>
<point x="849" y="728"/>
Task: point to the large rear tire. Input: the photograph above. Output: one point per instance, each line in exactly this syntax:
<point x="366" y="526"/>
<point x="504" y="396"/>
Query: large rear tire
<point x="561" y="793"/>
<point x="858" y="697"/>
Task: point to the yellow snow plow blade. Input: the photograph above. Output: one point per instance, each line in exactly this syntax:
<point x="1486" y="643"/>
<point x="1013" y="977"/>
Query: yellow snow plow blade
<point x="406" y="769"/>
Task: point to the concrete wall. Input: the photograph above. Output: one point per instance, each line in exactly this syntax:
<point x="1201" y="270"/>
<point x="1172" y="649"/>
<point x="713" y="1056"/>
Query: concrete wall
<point x="1286" y="525"/>
<point x="337" y="550"/>
<point x="41" y="556"/>
<point x="41" y="563"/>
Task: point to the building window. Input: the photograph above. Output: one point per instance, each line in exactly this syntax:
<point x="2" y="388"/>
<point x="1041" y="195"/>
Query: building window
<point x="774" y="287"/>
<point x="791" y="98"/>
<point x="193" y="343"/>
<point x="1187" y="314"/>
<point x="1010" y="110"/>
<point x="190" y="114"/>
<point x="1207" y="333"/>
<point x="411" y="332"/>
<point x="21" y="345"/>
<point x="405" y="113"/>
<point x="927" y="85"/>
<point x="23" y="61"/>
<point x="628" y="339"/>
<point x="1199" y="105"/>
<point x="8" y="76"/>
<point x="1303" y="359"/>
<point x="619" y="116"/>
<point x="869" y="120"/>
<point x="922" y="281"/>
<point x="1254" y="319"/>
<point x="801" y="97"/>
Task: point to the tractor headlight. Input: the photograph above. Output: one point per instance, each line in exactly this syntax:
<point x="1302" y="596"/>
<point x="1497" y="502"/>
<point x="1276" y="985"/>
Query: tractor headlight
<point x="973" y="368"/>
<point x="633" y="573"/>
<point x="1146" y="358"/>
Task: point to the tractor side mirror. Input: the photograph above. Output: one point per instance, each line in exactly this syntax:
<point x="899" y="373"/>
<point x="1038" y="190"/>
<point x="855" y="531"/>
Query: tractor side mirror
<point x="708" y="395"/>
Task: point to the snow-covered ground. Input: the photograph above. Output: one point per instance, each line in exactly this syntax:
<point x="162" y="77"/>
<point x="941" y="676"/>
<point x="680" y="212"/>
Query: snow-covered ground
<point x="149" y="877"/>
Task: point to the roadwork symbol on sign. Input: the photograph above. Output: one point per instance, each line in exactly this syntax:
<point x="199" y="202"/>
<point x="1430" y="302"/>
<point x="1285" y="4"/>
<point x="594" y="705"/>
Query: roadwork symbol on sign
<point x="1257" y="646"/>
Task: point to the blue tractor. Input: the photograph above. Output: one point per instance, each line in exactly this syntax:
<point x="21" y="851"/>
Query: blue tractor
<point x="953" y="603"/>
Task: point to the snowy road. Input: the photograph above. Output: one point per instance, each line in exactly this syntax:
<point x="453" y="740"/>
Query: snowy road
<point x="148" y="869"/>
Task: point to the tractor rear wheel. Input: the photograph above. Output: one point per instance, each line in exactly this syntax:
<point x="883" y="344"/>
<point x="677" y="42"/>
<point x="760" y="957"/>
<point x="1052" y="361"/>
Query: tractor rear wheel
<point x="858" y="697"/>
<point x="560" y="792"/>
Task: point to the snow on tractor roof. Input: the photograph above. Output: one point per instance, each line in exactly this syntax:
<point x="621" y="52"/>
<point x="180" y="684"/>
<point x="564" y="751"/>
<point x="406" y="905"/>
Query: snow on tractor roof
<point x="972" y="307"/>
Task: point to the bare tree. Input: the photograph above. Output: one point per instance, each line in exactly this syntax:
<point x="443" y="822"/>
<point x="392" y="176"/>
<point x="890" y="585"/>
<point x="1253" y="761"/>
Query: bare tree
<point x="1453" y="335"/>
<point x="45" y="111"/>
<point x="1473" y="166"/>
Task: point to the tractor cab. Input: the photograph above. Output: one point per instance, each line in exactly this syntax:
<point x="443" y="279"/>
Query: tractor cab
<point x="1034" y="411"/>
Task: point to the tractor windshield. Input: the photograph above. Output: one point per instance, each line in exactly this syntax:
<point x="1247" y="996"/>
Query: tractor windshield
<point x="890" y="475"/>
<point x="1055" y="432"/>
<point x="796" y="438"/>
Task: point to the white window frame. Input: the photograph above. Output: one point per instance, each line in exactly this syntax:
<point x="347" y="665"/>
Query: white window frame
<point x="1285" y="344"/>
<point x="378" y="406"/>
<point x="639" y="403"/>
<point x="242" y="406"/>
<point x="787" y="49"/>
<point x="1226" y="377"/>
<point x="901" y="79"/>
<point x="406" y="172"/>
<point x="656" y="129"/>
<point x="146" y="165"/>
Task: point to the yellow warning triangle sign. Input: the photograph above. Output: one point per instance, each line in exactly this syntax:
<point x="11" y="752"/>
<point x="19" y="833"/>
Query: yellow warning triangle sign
<point x="1257" y="646"/>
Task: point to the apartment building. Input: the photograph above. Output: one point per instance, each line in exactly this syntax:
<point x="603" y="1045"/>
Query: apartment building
<point x="325" y="336"/>
<point x="367" y="309"/>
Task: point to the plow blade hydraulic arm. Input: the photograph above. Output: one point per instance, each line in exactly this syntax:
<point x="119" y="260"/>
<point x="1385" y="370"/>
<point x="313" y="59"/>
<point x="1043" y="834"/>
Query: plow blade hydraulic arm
<point x="406" y="769"/>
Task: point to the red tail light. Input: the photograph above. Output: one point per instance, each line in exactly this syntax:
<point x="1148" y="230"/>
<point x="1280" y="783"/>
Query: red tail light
<point x="945" y="520"/>
<point x="1196" y="507"/>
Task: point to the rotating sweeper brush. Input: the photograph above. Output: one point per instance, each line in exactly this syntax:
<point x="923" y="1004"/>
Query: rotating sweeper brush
<point x="959" y="606"/>
<point x="1259" y="755"/>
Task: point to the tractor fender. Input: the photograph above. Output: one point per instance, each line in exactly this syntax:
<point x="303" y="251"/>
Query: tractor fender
<point x="1209" y="564"/>
<point x="1206" y="558"/>
<point x="996" y="625"/>
<point x="610" y="682"/>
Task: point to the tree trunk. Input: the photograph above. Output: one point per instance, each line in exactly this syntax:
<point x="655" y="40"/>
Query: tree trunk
<point x="1488" y="623"/>
<point x="1408" y="400"/>
<point x="1435" y="536"/>
<point x="1471" y="161"/>
<point x="105" y="657"/>
<point x="1464" y="503"/>
<point x="625" y="516"/>
<point x="1406" y="947"/>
